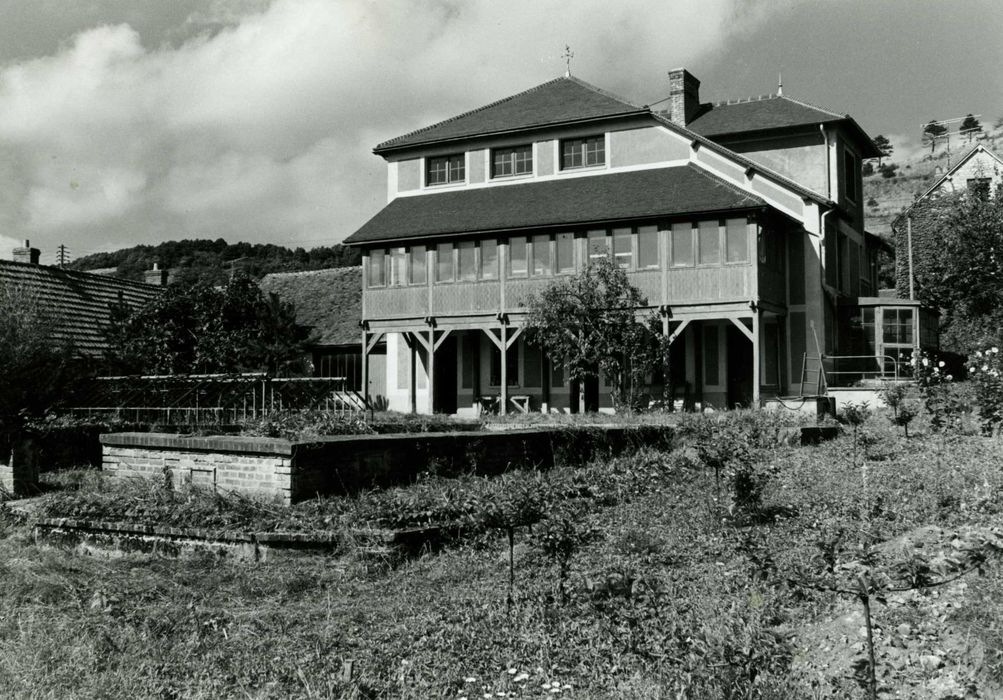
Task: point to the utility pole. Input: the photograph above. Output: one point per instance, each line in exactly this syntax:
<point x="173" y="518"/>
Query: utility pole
<point x="62" y="255"/>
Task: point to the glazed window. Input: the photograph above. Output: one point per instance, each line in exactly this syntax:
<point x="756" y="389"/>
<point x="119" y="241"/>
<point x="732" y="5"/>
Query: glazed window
<point x="598" y="246"/>
<point x="708" y="243"/>
<point x="377" y="268"/>
<point x="517" y="262"/>
<point x="736" y="241"/>
<point x="647" y="247"/>
<point x="444" y="262"/>
<point x="565" y="250"/>
<point x="418" y="265"/>
<point x="489" y="260"/>
<point x="623" y="254"/>
<point x="541" y="256"/>
<point x="466" y="261"/>
<point x="682" y="245"/>
<point x="442" y="170"/>
<point x="506" y="162"/>
<point x="584" y="152"/>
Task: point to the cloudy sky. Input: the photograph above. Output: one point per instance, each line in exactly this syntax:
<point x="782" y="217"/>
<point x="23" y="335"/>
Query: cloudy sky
<point x="137" y="121"/>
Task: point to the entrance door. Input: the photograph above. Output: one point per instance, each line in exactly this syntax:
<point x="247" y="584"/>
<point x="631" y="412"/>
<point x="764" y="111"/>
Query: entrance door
<point x="444" y="399"/>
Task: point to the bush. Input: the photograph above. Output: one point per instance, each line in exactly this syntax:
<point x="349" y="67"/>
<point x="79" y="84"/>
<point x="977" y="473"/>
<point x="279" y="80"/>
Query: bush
<point x="985" y="368"/>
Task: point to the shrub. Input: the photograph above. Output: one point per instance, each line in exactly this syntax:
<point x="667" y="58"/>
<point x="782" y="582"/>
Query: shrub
<point x="985" y="368"/>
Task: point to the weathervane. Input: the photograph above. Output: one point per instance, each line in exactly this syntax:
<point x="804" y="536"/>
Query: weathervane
<point x="567" y="56"/>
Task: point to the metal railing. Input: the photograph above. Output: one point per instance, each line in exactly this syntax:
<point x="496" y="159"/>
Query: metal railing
<point x="210" y="398"/>
<point x="843" y="371"/>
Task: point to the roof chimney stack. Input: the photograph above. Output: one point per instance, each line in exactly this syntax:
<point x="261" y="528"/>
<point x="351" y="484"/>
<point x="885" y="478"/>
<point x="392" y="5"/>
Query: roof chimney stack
<point x="684" y="96"/>
<point x="26" y="254"/>
<point x="156" y="276"/>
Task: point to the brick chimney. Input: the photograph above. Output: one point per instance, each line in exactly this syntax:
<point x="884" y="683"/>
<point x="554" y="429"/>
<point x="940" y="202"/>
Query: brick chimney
<point x="684" y="96"/>
<point x="156" y="276"/>
<point x="26" y="254"/>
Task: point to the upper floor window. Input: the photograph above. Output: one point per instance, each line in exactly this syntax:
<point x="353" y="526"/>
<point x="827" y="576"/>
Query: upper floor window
<point x="623" y="253"/>
<point x="979" y="187"/>
<point x="377" y="268"/>
<point x="564" y="253"/>
<point x="647" y="247"/>
<point x="506" y="162"/>
<point x="441" y="170"/>
<point x="418" y="272"/>
<point x="584" y="152"/>
<point x="850" y="174"/>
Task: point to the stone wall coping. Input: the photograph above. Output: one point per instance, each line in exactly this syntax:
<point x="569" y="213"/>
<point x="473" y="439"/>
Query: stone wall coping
<point x="208" y="443"/>
<point x="279" y="446"/>
<point x="276" y="538"/>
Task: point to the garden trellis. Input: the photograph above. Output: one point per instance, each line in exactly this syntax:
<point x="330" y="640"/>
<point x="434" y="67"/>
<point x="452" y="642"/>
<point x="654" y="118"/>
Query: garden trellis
<point x="210" y="398"/>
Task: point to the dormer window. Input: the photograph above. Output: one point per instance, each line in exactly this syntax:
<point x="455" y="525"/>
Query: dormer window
<point x="583" y="153"/>
<point x="442" y="170"/>
<point x="506" y="162"/>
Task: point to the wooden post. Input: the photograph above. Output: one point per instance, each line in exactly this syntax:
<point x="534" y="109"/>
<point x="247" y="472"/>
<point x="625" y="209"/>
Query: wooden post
<point x="755" y="358"/>
<point x="431" y="370"/>
<point x="412" y="372"/>
<point x="365" y="369"/>
<point x="503" y="409"/>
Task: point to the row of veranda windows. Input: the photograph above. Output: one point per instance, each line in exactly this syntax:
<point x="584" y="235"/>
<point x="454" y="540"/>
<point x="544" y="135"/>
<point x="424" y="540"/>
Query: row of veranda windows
<point x="705" y="243"/>
<point x="587" y="152"/>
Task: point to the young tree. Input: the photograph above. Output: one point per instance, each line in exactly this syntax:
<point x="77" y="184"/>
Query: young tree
<point x="196" y="329"/>
<point x="34" y="371"/>
<point x="933" y="131"/>
<point x="589" y="324"/>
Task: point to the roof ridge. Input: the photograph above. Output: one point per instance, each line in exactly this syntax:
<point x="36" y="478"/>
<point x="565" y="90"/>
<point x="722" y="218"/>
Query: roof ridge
<point x="743" y="100"/>
<point x="803" y="103"/>
<point x="467" y="113"/>
<point x="51" y="269"/>
<point x="601" y="91"/>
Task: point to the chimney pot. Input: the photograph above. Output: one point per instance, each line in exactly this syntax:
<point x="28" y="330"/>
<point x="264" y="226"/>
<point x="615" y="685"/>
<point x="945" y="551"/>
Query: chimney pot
<point x="684" y="96"/>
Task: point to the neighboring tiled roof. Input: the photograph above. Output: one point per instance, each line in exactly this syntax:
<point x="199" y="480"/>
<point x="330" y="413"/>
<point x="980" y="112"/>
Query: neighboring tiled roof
<point x="770" y="112"/>
<point x="571" y="201"/>
<point x="558" y="101"/>
<point x="329" y="301"/>
<point x="78" y="304"/>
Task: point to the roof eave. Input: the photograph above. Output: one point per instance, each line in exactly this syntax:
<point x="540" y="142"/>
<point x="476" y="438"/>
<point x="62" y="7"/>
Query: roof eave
<point x="380" y="242"/>
<point x="387" y="147"/>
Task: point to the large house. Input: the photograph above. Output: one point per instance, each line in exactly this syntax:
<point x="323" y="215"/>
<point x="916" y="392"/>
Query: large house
<point x="741" y="222"/>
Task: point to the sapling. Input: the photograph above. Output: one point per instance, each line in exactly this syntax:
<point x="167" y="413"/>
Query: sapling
<point x="560" y="537"/>
<point x="509" y="508"/>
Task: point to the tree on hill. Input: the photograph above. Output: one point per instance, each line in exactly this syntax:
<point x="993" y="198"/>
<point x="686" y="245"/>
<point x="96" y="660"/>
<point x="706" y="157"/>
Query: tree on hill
<point x="884" y="146"/>
<point x="196" y="328"/>
<point x="211" y="261"/>
<point x="970" y="126"/>
<point x="588" y="325"/>
<point x="933" y="131"/>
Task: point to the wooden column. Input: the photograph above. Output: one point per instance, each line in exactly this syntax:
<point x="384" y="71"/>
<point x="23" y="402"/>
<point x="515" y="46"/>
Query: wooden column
<point x="412" y="372"/>
<point x="365" y="368"/>
<point x="431" y="370"/>
<point x="503" y="408"/>
<point x="755" y="357"/>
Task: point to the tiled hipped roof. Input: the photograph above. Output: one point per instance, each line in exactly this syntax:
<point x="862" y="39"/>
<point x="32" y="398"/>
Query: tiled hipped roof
<point x="558" y="101"/>
<point x="565" y="202"/>
<point x="329" y="301"/>
<point x="77" y="304"/>
<point x="768" y="113"/>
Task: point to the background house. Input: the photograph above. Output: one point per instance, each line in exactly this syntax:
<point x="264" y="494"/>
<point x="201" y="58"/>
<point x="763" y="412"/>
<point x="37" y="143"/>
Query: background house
<point x="978" y="172"/>
<point x="78" y="305"/>
<point x="330" y="302"/>
<point x="741" y="222"/>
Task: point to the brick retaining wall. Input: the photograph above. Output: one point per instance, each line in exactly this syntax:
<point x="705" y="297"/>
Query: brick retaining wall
<point x="291" y="471"/>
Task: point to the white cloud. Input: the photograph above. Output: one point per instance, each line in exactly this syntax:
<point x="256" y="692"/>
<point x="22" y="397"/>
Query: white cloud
<point x="263" y="130"/>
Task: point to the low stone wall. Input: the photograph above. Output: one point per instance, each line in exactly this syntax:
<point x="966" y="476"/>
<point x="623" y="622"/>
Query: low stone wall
<point x="291" y="471"/>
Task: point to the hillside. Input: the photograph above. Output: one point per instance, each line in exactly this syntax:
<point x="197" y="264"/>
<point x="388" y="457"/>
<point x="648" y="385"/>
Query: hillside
<point x="886" y="198"/>
<point x="212" y="260"/>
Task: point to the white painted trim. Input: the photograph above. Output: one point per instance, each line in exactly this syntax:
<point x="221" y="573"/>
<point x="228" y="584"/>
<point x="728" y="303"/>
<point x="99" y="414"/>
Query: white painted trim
<point x="562" y="175"/>
<point x="392" y="179"/>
